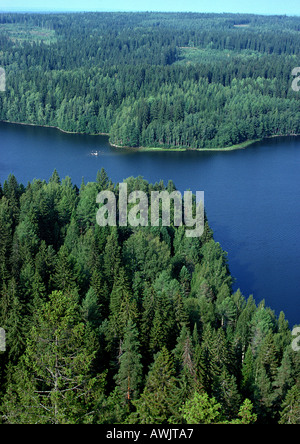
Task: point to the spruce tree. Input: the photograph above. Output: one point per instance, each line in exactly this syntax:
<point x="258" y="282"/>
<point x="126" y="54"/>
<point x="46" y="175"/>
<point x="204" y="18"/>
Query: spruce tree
<point x="290" y="412"/>
<point x="112" y="256"/>
<point x="248" y="373"/>
<point x="162" y="331"/>
<point x="64" y="277"/>
<point x="13" y="320"/>
<point x="122" y="308"/>
<point x="129" y="376"/>
<point x="227" y="393"/>
<point x="158" y="403"/>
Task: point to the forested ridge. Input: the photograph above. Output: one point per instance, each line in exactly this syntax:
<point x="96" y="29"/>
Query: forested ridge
<point x="153" y="79"/>
<point x="124" y="325"/>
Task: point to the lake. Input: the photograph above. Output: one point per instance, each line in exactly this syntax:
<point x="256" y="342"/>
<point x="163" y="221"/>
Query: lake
<point x="252" y="196"/>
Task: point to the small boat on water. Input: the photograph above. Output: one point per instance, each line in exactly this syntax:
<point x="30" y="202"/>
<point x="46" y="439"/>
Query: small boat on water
<point x="95" y="153"/>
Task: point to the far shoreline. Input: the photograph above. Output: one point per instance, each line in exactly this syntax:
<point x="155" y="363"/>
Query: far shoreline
<point x="53" y="127"/>
<point x="238" y="146"/>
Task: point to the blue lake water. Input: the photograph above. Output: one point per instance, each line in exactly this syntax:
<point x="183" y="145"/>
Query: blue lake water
<point x="252" y="196"/>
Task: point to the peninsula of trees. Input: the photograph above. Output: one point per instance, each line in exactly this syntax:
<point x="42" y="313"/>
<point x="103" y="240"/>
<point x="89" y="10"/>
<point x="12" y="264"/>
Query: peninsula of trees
<point x="171" y="80"/>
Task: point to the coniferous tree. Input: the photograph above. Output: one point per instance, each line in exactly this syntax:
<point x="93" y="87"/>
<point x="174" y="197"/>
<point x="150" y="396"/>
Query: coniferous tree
<point x="63" y="277"/>
<point x="102" y="180"/>
<point x="12" y="312"/>
<point x="158" y="402"/>
<point x="129" y="376"/>
<point x="91" y="309"/>
<point x="227" y="393"/>
<point x="248" y="373"/>
<point x="162" y="331"/>
<point x="112" y="257"/>
<point x="122" y="306"/>
<point x="290" y="413"/>
<point x="53" y="382"/>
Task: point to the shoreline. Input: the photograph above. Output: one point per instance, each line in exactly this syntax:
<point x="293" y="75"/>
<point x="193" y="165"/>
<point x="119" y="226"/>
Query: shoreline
<point x="54" y="127"/>
<point x="238" y="146"/>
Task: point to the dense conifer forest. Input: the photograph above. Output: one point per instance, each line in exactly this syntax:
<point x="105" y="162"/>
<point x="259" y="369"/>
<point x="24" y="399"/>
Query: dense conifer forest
<point x="113" y="325"/>
<point x="153" y="79"/>
<point x="138" y="325"/>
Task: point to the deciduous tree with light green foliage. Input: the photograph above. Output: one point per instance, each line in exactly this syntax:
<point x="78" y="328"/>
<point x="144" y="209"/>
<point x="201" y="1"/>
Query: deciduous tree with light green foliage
<point x="201" y="409"/>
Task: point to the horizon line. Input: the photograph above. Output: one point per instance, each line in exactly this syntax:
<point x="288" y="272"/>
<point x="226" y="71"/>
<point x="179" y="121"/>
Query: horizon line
<point x="70" y="11"/>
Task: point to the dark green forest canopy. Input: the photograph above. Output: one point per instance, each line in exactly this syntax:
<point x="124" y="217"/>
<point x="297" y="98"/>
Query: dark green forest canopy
<point x="113" y="325"/>
<point x="184" y="80"/>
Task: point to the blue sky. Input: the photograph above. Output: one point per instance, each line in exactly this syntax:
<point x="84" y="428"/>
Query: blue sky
<point x="289" y="7"/>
